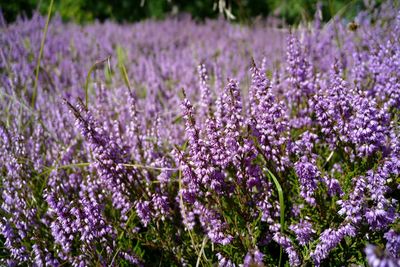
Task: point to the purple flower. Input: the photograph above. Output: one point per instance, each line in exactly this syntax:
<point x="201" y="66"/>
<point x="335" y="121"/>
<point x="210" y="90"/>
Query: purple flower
<point x="213" y="225"/>
<point x="288" y="246"/>
<point x="303" y="231"/>
<point x="393" y="243"/>
<point x="144" y="212"/>
<point x="309" y="176"/>
<point x="224" y="262"/>
<point x="253" y="258"/>
<point x="328" y="240"/>
<point x="270" y="123"/>
<point x="204" y="90"/>
<point x="378" y="258"/>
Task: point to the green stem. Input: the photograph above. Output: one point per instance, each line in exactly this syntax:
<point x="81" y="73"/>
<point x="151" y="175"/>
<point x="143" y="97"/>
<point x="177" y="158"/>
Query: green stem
<point x="201" y="251"/>
<point x="92" y="68"/>
<point x="282" y="208"/>
<point x="40" y="55"/>
<point x="183" y="210"/>
<point x="281" y="199"/>
<point x="125" y="76"/>
<point x="280" y="193"/>
<point x="149" y="167"/>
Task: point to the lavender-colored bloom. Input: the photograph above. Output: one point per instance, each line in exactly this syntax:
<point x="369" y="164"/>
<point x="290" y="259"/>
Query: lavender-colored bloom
<point x="132" y="259"/>
<point x="160" y="206"/>
<point x="393" y="243"/>
<point x="381" y="212"/>
<point x="215" y="143"/>
<point x="301" y="82"/>
<point x="328" y="240"/>
<point x="300" y="70"/>
<point x="333" y="186"/>
<point x="108" y="155"/>
<point x="270" y="121"/>
<point x="303" y="231"/>
<point x="253" y="258"/>
<point x="204" y="90"/>
<point x="378" y="258"/>
<point x="368" y="127"/>
<point x="334" y="107"/>
<point x="353" y="207"/>
<point x="309" y="176"/>
<point x="224" y="262"/>
<point x="287" y="245"/>
<point x="232" y="120"/>
<point x="143" y="211"/>
<point x="213" y="225"/>
<point x="323" y="119"/>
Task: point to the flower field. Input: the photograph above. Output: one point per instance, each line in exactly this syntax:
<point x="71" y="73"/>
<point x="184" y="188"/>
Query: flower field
<point x="179" y="143"/>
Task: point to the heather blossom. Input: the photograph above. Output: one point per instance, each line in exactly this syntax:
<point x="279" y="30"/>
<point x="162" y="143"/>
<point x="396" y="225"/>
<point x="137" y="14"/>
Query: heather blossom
<point x="266" y="147"/>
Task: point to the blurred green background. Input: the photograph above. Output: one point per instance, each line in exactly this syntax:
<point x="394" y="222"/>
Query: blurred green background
<point x="84" y="11"/>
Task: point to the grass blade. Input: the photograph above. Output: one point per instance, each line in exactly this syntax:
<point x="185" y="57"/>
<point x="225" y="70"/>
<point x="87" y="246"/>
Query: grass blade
<point x="34" y="94"/>
<point x="92" y="68"/>
<point x="282" y="208"/>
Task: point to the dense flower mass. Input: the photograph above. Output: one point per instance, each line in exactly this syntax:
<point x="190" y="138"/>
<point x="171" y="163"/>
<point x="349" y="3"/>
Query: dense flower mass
<point x="179" y="143"/>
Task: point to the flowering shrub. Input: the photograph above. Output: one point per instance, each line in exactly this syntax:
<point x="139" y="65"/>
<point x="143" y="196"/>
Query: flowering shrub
<point x="201" y="144"/>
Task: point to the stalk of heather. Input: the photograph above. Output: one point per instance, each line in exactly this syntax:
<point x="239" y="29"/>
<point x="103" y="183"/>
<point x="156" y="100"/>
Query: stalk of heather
<point x="266" y="148"/>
